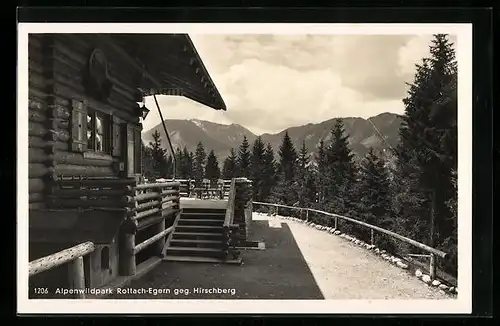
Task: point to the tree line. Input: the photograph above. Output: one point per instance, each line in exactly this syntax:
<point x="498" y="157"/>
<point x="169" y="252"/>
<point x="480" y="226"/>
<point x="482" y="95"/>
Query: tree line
<point x="410" y="189"/>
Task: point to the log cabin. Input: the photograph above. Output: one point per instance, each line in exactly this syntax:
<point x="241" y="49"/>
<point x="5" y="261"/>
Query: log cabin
<point x="85" y="139"/>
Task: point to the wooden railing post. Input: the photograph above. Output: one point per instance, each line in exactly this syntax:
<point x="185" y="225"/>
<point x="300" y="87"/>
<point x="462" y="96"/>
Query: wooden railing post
<point x="76" y="276"/>
<point x="336" y="223"/>
<point x="307" y="215"/>
<point x="372" y="237"/>
<point x="432" y="266"/>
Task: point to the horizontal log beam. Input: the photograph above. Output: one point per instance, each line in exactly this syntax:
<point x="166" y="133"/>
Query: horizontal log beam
<point x="59" y="258"/>
<point x="38" y="170"/>
<point x="35" y="197"/>
<point x="56" y="202"/>
<point x="73" y="193"/>
<point x="142" y="214"/>
<point x="79" y="170"/>
<point x="36" y="185"/>
<point x="157" y="185"/>
<point x="147" y="205"/>
<point x="148" y="195"/>
<point x="72" y="158"/>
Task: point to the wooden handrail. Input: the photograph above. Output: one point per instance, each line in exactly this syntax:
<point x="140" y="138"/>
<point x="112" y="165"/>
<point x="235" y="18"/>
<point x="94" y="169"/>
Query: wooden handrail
<point x="59" y="258"/>
<point x="417" y="244"/>
<point x="74" y="257"/>
<point x="141" y="246"/>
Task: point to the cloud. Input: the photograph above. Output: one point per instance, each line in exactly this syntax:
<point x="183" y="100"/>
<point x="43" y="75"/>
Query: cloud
<point x="271" y="82"/>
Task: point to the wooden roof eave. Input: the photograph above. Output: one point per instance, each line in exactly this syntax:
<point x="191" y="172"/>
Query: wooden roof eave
<point x="205" y="93"/>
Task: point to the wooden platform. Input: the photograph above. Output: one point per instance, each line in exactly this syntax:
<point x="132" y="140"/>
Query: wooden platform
<point x="203" y="203"/>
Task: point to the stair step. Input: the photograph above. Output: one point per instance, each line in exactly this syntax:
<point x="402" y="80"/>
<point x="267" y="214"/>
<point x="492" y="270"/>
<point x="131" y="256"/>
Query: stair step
<point x="204" y="213"/>
<point x="209" y="228"/>
<point x="197" y="220"/>
<point x="196" y="234"/>
<point x="196" y="241"/>
<point x="193" y="249"/>
<point x="200" y="221"/>
<point x="195" y="259"/>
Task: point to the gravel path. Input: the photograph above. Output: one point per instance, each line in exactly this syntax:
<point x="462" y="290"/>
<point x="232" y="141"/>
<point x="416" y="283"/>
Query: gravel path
<point x="352" y="272"/>
<point x="299" y="262"/>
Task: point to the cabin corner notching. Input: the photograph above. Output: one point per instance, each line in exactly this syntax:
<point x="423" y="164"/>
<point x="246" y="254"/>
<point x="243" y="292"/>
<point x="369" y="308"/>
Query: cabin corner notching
<point x="85" y="136"/>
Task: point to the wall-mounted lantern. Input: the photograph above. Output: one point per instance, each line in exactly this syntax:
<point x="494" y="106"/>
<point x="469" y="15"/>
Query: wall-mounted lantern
<point x="144" y="111"/>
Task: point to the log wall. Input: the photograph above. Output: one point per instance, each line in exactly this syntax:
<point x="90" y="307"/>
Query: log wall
<point x="57" y="68"/>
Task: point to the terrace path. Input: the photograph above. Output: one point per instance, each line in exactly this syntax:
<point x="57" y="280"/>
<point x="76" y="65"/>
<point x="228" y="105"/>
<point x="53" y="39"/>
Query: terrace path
<point x="299" y="262"/>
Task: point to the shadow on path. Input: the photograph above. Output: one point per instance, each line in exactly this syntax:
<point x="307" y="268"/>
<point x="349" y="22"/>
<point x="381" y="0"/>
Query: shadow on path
<point x="278" y="272"/>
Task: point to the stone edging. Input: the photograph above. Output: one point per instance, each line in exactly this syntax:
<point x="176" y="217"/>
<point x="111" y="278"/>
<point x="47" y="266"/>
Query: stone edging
<point x="449" y="290"/>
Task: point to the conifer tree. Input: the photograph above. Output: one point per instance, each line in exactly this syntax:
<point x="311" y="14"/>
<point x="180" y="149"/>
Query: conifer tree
<point x="374" y="200"/>
<point x="200" y="157"/>
<point x="288" y="158"/>
<point x="304" y="177"/>
<point x="212" y="170"/>
<point x="180" y="167"/>
<point x="322" y="168"/>
<point x="340" y="173"/>
<point x="427" y="153"/>
<point x="147" y="161"/>
<point x="158" y="157"/>
<point x="229" y="166"/>
<point x="244" y="159"/>
<point x="257" y="167"/>
<point x="268" y="172"/>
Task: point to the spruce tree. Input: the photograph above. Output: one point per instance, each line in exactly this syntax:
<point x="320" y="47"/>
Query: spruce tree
<point x="244" y="159"/>
<point x="321" y="172"/>
<point x="268" y="172"/>
<point x="427" y="153"/>
<point x="340" y="173"/>
<point x="212" y="170"/>
<point x="303" y="176"/>
<point x="288" y="158"/>
<point x="257" y="167"/>
<point x="180" y="168"/>
<point x="147" y="161"/>
<point x="374" y="194"/>
<point x="199" y="163"/>
<point x="158" y="157"/>
<point x="229" y="166"/>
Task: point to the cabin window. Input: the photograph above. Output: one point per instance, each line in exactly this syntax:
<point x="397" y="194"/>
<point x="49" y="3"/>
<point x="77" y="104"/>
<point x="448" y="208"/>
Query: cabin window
<point x="98" y="132"/>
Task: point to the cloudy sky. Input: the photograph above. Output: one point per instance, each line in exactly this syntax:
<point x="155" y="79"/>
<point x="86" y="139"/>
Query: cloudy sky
<point x="271" y="82"/>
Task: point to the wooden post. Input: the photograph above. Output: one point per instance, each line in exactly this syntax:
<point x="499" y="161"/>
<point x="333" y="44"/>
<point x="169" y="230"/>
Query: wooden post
<point x="307" y="215"/>
<point x="76" y="276"/>
<point x="432" y="266"/>
<point x="129" y="267"/>
<point x="336" y="223"/>
<point x="372" y="237"/>
<point x="277" y="210"/>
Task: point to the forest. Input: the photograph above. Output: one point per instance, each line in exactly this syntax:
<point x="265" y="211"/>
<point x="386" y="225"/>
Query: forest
<point x="410" y="189"/>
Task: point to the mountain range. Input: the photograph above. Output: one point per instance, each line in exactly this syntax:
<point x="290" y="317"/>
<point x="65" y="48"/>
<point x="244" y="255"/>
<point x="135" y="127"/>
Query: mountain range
<point x="221" y="138"/>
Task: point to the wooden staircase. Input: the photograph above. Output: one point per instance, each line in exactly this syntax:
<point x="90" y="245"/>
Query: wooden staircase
<point x="198" y="237"/>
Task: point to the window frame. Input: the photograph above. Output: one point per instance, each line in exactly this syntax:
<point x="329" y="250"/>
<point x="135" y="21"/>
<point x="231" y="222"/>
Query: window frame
<point x="106" y="131"/>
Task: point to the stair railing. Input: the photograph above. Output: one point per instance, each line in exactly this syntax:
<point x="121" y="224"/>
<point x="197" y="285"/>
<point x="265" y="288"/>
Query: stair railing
<point x="148" y="205"/>
<point x="229" y="229"/>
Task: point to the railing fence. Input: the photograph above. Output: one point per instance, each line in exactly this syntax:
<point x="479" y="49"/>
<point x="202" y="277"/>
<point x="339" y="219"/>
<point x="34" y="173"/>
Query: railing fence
<point x="335" y="219"/>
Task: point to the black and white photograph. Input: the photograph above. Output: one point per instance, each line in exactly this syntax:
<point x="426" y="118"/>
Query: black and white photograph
<point x="244" y="168"/>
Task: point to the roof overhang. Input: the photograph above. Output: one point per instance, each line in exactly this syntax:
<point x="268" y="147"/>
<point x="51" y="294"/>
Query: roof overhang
<point x="173" y="65"/>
